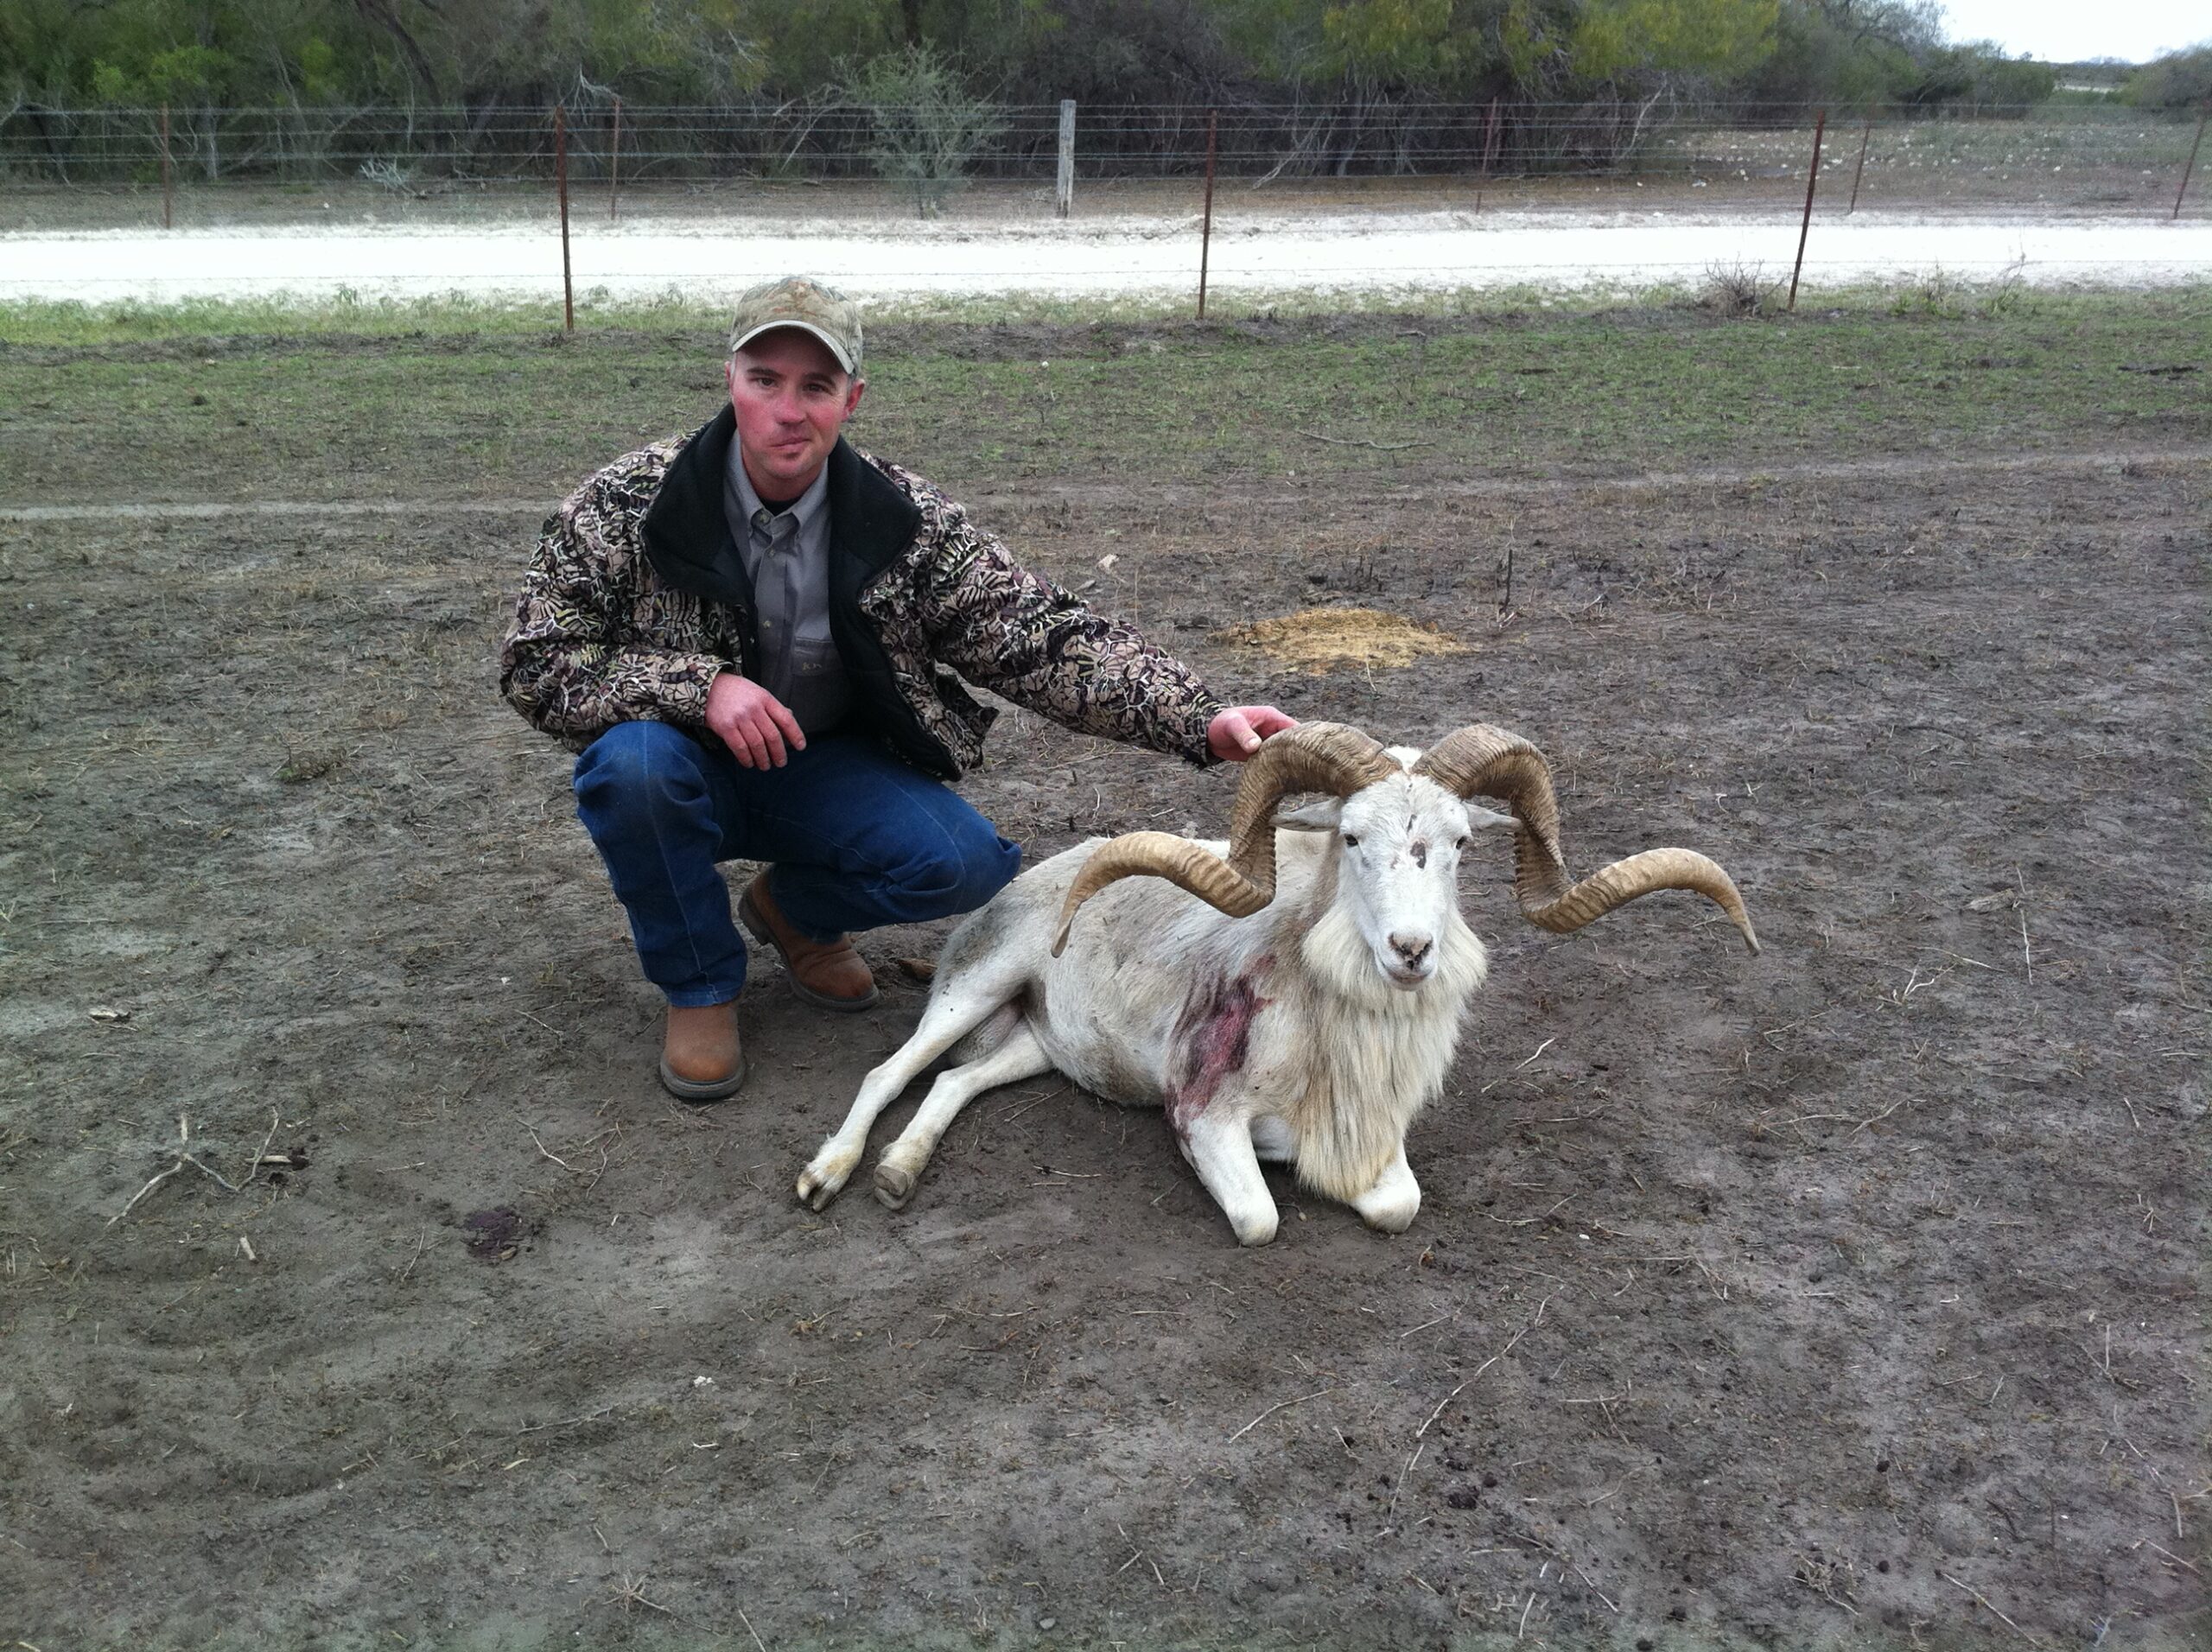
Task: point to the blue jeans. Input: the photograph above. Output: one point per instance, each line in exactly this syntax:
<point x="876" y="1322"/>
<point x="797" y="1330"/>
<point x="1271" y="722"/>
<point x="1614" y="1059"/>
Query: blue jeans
<point x="858" y="838"/>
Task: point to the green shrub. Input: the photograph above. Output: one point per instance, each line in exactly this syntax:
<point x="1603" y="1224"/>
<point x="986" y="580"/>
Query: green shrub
<point x="927" y="129"/>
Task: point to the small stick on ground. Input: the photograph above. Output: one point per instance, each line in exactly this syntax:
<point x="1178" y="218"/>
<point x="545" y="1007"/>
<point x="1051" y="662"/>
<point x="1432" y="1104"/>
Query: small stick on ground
<point x="565" y="1422"/>
<point x="1984" y="1599"/>
<point x="183" y="1158"/>
<point x="1517" y="1335"/>
<point x="1271" y="1411"/>
<point x="2168" y="1553"/>
<point x="632" y="1589"/>
<point x="1439" y="1412"/>
<point x="1595" y="1590"/>
<point x="142" y="1192"/>
<point x="1402" y="1472"/>
<point x="1359" y="442"/>
<point x="220" y="1179"/>
<point x="1868" y="1123"/>
<point x="542" y="1148"/>
<point x="1486" y="1364"/>
<point x="749" y="1629"/>
<point x="422" y="1238"/>
<point x="253" y="1168"/>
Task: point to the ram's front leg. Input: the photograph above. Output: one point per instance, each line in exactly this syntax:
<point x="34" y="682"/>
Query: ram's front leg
<point x="1218" y="1144"/>
<point x="1395" y="1200"/>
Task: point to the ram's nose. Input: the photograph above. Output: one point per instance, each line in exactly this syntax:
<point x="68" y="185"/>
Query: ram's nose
<point x="1412" y="951"/>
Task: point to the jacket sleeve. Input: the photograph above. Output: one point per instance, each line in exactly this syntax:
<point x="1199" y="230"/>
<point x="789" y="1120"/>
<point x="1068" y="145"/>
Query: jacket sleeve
<point x="1022" y="636"/>
<point x="570" y="664"/>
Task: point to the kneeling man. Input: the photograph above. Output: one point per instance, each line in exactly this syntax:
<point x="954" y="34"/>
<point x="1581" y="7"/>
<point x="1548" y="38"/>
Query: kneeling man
<point x="751" y="635"/>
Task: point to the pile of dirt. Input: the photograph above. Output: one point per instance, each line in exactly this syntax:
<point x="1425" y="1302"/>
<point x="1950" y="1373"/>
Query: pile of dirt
<point x="1318" y="640"/>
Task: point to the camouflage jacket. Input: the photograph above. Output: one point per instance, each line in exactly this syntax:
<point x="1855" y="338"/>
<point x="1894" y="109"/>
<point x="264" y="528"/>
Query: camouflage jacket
<point x="636" y="599"/>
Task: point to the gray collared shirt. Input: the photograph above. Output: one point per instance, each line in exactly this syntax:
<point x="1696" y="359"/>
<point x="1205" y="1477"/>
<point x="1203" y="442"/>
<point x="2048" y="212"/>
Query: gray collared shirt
<point x="788" y="554"/>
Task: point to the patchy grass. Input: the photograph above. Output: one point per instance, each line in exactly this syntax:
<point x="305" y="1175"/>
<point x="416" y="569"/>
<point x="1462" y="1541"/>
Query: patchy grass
<point x="42" y="323"/>
<point x="132" y="405"/>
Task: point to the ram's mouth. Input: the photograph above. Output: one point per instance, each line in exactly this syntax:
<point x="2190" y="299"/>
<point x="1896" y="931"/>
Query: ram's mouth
<point x="1406" y="980"/>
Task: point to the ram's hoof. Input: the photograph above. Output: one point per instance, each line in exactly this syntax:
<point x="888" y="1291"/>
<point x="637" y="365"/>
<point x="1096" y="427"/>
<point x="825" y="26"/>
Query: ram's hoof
<point x="894" y="1186"/>
<point x="823" y="1179"/>
<point x="1394" y="1217"/>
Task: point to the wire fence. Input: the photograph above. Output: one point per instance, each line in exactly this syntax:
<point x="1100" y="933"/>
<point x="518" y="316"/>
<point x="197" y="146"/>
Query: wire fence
<point x="2079" y="156"/>
<point x="1652" y="196"/>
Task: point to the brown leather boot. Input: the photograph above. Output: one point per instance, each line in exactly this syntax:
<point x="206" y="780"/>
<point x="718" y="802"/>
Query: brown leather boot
<point x="700" y="1057"/>
<point x="828" y="974"/>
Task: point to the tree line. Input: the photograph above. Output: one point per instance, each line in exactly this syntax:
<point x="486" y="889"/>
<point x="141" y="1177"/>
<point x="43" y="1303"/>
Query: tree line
<point x="1859" y="53"/>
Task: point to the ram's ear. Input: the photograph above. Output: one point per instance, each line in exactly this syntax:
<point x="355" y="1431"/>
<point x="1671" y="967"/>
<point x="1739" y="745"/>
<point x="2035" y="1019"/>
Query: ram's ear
<point x="1315" y="815"/>
<point x="1481" y="819"/>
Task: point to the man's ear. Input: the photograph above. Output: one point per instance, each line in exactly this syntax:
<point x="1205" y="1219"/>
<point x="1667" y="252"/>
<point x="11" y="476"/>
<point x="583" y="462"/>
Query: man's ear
<point x="1316" y="815"/>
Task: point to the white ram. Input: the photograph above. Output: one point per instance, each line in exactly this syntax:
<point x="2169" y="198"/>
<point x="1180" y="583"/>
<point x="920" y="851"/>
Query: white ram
<point x="1302" y="1009"/>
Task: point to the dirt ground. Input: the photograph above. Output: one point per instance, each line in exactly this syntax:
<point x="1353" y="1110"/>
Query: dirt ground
<point x="1843" y="1296"/>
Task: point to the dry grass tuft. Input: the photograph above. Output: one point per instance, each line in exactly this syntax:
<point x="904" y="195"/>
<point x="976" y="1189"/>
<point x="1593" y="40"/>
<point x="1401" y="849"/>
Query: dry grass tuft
<point x="1317" y="640"/>
<point x="1734" y="287"/>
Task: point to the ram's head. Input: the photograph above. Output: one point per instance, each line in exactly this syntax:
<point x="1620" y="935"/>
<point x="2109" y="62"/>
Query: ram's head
<point x="1401" y="820"/>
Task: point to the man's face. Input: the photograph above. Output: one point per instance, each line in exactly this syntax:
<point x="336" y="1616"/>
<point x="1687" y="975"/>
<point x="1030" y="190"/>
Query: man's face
<point x="791" y="398"/>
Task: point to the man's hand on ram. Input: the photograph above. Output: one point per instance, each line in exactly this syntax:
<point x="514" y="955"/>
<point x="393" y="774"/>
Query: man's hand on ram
<point x="1236" y="734"/>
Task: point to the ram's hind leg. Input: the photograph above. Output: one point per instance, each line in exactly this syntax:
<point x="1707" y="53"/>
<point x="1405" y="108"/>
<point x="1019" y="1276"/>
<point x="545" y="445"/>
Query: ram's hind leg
<point x="956" y="1008"/>
<point x="1018" y="1056"/>
<point x="986" y="1038"/>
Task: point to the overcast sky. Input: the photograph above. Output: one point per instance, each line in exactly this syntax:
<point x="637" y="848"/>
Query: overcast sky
<point x="2068" y="31"/>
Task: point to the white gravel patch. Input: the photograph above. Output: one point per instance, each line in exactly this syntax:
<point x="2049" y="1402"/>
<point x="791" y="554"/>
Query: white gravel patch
<point x="1410" y="252"/>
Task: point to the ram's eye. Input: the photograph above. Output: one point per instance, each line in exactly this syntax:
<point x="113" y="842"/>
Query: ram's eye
<point x="1350" y="840"/>
<point x="1463" y="842"/>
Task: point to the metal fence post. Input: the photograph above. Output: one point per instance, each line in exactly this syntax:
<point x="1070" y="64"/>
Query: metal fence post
<point x="561" y="188"/>
<point x="168" y="197"/>
<point x="1859" y="171"/>
<point x="1064" y="194"/>
<point x="2192" y="167"/>
<point x="1490" y="148"/>
<point x="1205" y="234"/>
<point x="614" y="162"/>
<point x="1812" y="179"/>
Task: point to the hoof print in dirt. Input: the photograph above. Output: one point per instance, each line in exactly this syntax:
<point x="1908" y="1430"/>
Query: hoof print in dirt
<point x="497" y="1235"/>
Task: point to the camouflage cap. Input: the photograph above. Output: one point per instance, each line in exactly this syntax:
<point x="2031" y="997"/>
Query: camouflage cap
<point x="796" y="301"/>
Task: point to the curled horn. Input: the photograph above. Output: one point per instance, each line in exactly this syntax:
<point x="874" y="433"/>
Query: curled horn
<point x="1312" y="757"/>
<point x="1481" y="761"/>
